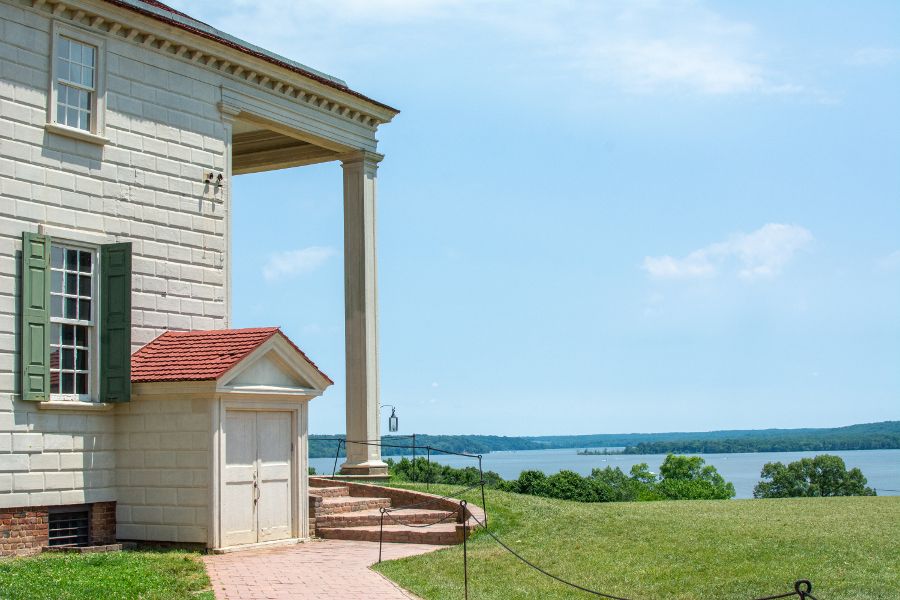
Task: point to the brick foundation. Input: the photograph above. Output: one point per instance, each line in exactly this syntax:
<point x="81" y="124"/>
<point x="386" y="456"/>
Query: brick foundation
<point x="315" y="504"/>
<point x="23" y="531"/>
<point x="103" y="523"/>
<point x="26" y="530"/>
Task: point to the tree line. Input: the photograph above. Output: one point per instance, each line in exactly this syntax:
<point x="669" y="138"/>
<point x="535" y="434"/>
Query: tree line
<point x="679" y="478"/>
<point x="791" y="443"/>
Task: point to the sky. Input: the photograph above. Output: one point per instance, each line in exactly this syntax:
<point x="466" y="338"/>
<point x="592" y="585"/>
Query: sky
<point x="597" y="216"/>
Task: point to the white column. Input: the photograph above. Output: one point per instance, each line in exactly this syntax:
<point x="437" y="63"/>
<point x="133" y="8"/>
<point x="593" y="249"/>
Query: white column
<point x="361" y="314"/>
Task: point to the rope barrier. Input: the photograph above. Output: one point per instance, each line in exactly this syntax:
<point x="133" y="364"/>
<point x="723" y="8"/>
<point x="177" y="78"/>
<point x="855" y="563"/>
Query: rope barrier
<point x="404" y="446"/>
<point x="802" y="588"/>
<point x="539" y="569"/>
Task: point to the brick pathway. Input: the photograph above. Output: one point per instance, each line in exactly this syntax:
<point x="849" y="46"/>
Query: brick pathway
<point x="333" y="569"/>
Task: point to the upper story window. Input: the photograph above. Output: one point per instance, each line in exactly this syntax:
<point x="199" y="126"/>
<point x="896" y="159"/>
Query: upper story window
<point x="72" y="321"/>
<point x="76" y="66"/>
<point x="77" y="95"/>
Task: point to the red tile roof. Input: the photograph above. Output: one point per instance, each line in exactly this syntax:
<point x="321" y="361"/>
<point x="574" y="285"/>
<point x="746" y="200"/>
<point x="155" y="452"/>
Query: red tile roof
<point x="203" y="30"/>
<point x="200" y="355"/>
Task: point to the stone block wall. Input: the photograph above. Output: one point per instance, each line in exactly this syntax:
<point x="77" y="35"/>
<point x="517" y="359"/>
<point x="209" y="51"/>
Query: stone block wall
<point x="163" y="467"/>
<point x="145" y="185"/>
<point x="56" y="457"/>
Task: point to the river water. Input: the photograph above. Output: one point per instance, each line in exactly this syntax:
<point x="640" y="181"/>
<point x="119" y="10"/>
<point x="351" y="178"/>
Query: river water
<point x="881" y="467"/>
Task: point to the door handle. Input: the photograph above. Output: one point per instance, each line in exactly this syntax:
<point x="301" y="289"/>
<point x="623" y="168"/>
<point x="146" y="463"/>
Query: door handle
<point x="256" y="491"/>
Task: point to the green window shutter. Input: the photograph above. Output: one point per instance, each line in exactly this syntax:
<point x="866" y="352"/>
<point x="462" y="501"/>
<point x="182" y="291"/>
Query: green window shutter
<point x="35" y="334"/>
<point x="115" y="323"/>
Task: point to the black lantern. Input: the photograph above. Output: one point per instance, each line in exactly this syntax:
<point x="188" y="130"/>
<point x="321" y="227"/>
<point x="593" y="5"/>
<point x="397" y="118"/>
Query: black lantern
<point x="393" y="421"/>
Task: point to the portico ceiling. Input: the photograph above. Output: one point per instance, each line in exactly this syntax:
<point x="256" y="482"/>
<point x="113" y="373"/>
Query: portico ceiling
<point x="255" y="149"/>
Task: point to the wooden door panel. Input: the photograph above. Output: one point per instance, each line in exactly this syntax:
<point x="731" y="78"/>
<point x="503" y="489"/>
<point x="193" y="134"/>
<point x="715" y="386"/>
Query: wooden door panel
<point x="274" y="434"/>
<point x="238" y="506"/>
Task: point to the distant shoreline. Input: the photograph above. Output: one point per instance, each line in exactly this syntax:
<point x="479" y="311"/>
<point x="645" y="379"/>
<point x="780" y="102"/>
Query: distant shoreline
<point x="884" y="435"/>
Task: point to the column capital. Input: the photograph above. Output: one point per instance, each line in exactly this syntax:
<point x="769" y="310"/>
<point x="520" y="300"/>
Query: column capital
<point x="363" y="157"/>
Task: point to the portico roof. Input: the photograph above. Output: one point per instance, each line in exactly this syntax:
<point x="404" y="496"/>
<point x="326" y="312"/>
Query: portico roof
<point x="165" y="13"/>
<point x="203" y="355"/>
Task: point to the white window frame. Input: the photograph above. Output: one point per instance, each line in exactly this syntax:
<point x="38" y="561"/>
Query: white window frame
<point x="94" y="329"/>
<point x="97" y="131"/>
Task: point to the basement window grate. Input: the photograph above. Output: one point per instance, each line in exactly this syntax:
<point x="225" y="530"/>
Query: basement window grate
<point x="69" y="526"/>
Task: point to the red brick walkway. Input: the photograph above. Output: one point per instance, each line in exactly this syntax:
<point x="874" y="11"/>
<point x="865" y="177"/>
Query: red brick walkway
<point x="333" y="569"/>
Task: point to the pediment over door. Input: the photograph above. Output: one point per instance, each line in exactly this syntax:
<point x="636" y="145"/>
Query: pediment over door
<point x="275" y="367"/>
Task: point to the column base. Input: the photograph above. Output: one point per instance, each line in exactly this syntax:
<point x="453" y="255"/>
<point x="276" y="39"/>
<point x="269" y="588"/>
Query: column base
<point x="369" y="468"/>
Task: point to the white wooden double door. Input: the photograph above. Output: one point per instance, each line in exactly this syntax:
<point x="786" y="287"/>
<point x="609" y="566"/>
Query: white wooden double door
<point x="257" y="495"/>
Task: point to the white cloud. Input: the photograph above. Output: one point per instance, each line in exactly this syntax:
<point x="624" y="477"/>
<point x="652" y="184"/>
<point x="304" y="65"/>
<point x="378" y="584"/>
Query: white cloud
<point x="874" y="57"/>
<point x="282" y="265"/>
<point x="677" y="46"/>
<point x="759" y="254"/>
<point x="649" y="65"/>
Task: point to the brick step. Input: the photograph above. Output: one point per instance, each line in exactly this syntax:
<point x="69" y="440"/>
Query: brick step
<point x="344" y="504"/>
<point x="372" y="517"/>
<point x="330" y="492"/>
<point x="444" y="534"/>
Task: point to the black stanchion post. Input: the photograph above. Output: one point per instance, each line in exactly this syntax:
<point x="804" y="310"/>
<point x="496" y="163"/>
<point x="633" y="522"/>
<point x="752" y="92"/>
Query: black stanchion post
<point x="465" y="519"/>
<point x="415" y="466"/>
<point x="428" y="470"/>
<point x="483" y="502"/>
<point x="381" y="534"/>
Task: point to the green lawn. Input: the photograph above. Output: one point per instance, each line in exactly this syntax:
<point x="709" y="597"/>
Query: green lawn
<point x="105" y="576"/>
<point x="723" y="549"/>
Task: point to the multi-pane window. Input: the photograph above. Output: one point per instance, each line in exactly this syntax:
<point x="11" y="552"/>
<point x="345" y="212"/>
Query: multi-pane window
<point x="76" y="66"/>
<point x="72" y="306"/>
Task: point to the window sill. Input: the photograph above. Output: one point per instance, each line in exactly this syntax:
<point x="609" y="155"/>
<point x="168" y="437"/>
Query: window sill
<point x="75" y="405"/>
<point x="77" y="134"/>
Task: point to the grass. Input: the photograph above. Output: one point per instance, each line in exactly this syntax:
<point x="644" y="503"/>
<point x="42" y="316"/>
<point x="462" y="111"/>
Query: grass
<point x="730" y="549"/>
<point x="172" y="575"/>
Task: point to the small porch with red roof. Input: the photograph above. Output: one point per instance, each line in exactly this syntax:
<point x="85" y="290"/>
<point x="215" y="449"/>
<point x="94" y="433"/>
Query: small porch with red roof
<point x="213" y="445"/>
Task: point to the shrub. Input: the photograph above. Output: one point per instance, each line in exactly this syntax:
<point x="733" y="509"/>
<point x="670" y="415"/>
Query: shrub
<point x="688" y="478"/>
<point x="569" y="485"/>
<point x="822" y="475"/>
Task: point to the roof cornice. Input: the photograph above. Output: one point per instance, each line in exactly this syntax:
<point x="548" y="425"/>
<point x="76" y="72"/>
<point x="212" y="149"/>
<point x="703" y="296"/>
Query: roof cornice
<point x="175" y="39"/>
